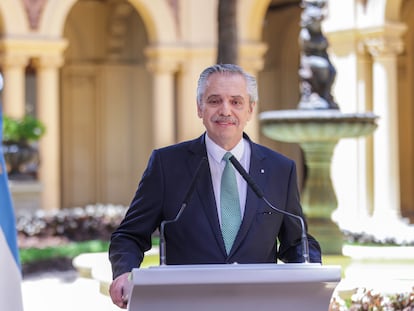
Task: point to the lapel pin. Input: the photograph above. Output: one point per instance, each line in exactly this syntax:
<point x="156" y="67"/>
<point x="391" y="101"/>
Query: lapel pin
<point x="262" y="171"/>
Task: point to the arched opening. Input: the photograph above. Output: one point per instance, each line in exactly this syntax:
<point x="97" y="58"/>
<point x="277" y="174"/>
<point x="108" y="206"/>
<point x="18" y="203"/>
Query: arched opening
<point x="106" y="96"/>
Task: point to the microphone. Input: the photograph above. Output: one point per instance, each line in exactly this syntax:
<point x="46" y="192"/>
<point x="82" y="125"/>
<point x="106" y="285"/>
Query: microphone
<point x="260" y="194"/>
<point x="182" y="208"/>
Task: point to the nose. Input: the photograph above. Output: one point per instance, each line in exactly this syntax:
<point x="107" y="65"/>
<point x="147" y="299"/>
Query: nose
<point x="225" y="108"/>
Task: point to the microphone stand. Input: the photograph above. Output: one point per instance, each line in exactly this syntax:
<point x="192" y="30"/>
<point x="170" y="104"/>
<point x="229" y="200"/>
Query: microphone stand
<point x="304" y="238"/>
<point x="190" y="191"/>
<point x="260" y="194"/>
<point x="163" y="256"/>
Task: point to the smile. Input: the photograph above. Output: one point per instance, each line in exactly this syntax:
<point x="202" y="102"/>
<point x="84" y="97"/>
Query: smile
<point x="225" y="120"/>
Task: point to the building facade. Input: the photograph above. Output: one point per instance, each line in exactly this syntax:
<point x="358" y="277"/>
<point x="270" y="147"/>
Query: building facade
<point x="113" y="79"/>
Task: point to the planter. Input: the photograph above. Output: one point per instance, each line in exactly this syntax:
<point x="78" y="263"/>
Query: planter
<point x="22" y="160"/>
<point x="19" y="149"/>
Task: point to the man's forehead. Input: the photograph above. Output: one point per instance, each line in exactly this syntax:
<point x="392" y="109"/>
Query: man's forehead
<point x="226" y="80"/>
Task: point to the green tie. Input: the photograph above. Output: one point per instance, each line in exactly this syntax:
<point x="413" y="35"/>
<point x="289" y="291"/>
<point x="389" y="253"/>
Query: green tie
<point x="230" y="204"/>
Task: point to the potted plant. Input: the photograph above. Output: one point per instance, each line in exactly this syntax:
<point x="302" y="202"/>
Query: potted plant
<point x="19" y="145"/>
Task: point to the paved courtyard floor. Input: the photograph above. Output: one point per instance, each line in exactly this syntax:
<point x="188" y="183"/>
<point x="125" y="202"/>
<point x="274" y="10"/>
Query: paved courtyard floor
<point x="63" y="291"/>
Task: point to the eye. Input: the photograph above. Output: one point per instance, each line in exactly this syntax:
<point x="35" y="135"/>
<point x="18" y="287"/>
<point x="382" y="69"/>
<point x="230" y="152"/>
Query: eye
<point x="237" y="101"/>
<point x="213" y="101"/>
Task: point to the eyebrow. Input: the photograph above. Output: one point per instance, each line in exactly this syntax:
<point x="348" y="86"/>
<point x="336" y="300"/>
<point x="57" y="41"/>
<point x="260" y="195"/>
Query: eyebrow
<point x="213" y="95"/>
<point x="238" y="97"/>
<point x="232" y="96"/>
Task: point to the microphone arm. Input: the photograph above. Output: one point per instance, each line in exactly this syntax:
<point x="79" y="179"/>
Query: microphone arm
<point x="181" y="210"/>
<point x="260" y="194"/>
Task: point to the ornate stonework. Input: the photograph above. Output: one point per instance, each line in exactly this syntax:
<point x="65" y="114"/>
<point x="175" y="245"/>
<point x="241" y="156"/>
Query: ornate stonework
<point x="386" y="40"/>
<point x="384" y="45"/>
<point x="174" y="7"/>
<point x="34" y="9"/>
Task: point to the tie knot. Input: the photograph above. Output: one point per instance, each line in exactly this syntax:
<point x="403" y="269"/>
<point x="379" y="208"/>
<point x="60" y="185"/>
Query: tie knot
<point x="227" y="156"/>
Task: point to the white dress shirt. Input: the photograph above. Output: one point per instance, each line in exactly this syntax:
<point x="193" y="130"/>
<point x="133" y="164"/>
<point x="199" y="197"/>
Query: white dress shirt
<point x="215" y="155"/>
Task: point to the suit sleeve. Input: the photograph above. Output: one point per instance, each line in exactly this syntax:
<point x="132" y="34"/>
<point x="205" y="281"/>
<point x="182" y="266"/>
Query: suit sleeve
<point x="133" y="236"/>
<point x="290" y="248"/>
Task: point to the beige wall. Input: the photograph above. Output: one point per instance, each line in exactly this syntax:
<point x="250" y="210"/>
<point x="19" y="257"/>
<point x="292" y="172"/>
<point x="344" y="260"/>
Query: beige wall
<point x="105" y="137"/>
<point x="406" y="112"/>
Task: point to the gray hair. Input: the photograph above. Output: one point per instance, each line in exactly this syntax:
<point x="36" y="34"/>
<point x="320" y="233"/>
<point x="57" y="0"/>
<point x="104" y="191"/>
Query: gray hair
<point x="230" y="69"/>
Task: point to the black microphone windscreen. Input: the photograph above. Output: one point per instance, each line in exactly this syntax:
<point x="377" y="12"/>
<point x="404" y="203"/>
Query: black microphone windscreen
<point x="246" y="176"/>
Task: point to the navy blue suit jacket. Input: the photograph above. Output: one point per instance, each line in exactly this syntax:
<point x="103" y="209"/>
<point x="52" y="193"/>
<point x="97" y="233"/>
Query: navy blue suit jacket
<point x="196" y="237"/>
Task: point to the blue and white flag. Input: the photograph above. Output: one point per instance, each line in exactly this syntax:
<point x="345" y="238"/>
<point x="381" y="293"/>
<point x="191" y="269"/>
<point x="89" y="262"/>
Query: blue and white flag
<point x="10" y="273"/>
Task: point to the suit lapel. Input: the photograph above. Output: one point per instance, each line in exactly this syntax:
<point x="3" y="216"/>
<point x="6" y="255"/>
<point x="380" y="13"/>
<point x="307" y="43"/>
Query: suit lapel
<point x="258" y="173"/>
<point x="204" y="189"/>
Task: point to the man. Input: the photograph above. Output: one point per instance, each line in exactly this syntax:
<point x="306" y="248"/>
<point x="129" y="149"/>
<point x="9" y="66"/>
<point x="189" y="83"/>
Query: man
<point x="226" y="97"/>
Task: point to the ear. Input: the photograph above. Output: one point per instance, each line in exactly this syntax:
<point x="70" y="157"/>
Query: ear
<point x="199" y="111"/>
<point x="251" y="109"/>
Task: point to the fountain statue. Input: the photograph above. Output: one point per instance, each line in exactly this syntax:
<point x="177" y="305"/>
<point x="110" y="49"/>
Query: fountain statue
<point x="316" y="72"/>
<point x="317" y="126"/>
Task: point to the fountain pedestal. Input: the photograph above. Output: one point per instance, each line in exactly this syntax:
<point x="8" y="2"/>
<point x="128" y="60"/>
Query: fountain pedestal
<point x="317" y="132"/>
<point x="318" y="196"/>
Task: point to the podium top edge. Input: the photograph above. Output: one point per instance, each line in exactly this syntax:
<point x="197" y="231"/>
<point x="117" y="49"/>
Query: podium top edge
<point x="235" y="273"/>
<point x="229" y="268"/>
<point x="261" y="266"/>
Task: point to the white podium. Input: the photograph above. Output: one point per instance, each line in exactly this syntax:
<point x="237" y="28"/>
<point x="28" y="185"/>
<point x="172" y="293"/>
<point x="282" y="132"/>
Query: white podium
<point x="258" y="287"/>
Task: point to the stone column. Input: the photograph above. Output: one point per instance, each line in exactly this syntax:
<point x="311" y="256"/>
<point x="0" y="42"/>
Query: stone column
<point x="48" y="111"/>
<point x="353" y="181"/>
<point x="14" y="84"/>
<point x="252" y="60"/>
<point x="365" y="146"/>
<point x="164" y="62"/>
<point x="384" y="45"/>
<point x="163" y="65"/>
<point x="195" y="61"/>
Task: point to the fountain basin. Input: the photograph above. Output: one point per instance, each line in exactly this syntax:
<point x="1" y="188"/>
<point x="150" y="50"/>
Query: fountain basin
<point x="317" y="132"/>
<point x="297" y="126"/>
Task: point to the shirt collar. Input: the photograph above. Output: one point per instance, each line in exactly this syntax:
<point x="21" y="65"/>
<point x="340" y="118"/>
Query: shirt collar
<point x="217" y="153"/>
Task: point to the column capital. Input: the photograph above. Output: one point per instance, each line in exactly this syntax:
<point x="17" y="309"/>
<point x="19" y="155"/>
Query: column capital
<point x="48" y="61"/>
<point x="8" y="60"/>
<point x="164" y="59"/>
<point x="252" y="56"/>
<point x="11" y="55"/>
<point x="385" y="40"/>
<point x="18" y="51"/>
<point x="384" y="46"/>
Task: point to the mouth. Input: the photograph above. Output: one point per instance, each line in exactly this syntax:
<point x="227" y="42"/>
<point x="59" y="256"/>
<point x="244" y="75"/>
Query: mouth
<point x="224" y="121"/>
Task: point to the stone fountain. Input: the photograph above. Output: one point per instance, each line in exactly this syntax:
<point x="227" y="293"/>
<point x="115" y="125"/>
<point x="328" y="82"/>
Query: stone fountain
<point x="317" y="126"/>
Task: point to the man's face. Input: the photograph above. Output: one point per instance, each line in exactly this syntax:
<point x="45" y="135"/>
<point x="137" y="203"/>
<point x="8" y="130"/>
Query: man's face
<point x="225" y="108"/>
